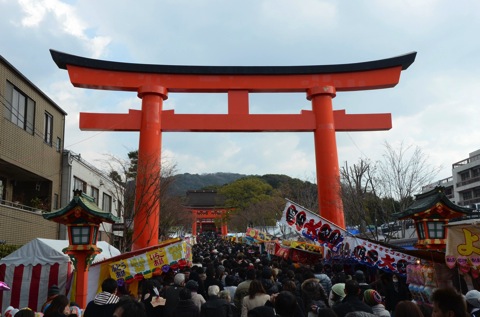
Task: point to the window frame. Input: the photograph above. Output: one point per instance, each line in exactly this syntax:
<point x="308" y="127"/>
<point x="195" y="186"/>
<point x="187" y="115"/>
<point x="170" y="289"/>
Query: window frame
<point x="435" y="227"/>
<point x="106" y="198"/>
<point x="48" y="128"/>
<point x="76" y="181"/>
<point x="20" y="113"/>
<point x="95" y="193"/>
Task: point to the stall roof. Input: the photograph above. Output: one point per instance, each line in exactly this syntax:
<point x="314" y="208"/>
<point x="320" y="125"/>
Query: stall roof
<point x="49" y="251"/>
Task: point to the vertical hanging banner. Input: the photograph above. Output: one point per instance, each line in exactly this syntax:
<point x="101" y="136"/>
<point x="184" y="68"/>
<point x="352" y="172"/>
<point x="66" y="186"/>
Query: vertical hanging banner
<point x="312" y="226"/>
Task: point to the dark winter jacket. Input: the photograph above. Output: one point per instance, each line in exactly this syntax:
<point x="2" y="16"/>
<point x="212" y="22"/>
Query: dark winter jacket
<point x="351" y="303"/>
<point x="102" y="305"/>
<point x="216" y="307"/>
<point x="186" y="308"/>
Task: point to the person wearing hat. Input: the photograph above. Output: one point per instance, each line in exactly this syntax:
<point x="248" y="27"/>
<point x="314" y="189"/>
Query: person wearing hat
<point x="373" y="299"/>
<point x="103" y="304"/>
<point x="197" y="299"/>
<point x="473" y="302"/>
<point x="359" y="276"/>
<point x="351" y="302"/>
<point x="337" y="294"/>
<point x="53" y="292"/>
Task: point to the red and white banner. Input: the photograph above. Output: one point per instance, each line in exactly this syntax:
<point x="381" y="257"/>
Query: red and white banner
<point x="374" y="254"/>
<point x="311" y="226"/>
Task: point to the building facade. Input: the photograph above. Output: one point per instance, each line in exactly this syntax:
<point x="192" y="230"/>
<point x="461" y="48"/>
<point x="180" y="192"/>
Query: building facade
<point x="463" y="187"/>
<point x="78" y="174"/>
<point x="32" y="129"/>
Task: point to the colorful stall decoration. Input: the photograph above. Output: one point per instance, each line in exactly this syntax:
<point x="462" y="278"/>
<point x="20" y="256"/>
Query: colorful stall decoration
<point x="152" y="262"/>
<point x="463" y="246"/>
<point x="374" y="255"/>
<point x="295" y="251"/>
<point x="313" y="227"/>
<point x="257" y="235"/>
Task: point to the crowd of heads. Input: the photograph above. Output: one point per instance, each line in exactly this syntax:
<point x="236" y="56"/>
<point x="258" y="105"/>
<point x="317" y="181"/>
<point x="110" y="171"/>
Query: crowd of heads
<point x="234" y="273"/>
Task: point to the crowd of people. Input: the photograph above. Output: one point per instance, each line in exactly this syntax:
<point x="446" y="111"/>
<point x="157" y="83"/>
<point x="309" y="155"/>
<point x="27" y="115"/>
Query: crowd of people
<point x="229" y="279"/>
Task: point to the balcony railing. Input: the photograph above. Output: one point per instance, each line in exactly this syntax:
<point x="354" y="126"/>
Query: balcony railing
<point x="466" y="161"/>
<point x="469" y="181"/>
<point x="17" y="205"/>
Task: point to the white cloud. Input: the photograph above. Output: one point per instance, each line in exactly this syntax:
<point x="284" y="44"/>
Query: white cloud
<point x="434" y="106"/>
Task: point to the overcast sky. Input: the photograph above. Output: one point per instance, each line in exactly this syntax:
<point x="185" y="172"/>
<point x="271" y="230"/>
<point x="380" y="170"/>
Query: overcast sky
<point x="436" y="105"/>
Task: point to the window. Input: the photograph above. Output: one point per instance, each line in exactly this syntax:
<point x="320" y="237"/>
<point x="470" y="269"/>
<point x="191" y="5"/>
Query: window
<point x="107" y="203"/>
<point x="94" y="194"/>
<point x="48" y="128"/>
<point x="465" y="175"/>
<point x="476" y="192"/>
<point x="476" y="172"/>
<point x="435" y="230"/>
<point x="20" y="109"/>
<point x="466" y="195"/>
<point x="79" y="184"/>
<point x="59" y="144"/>
<point x="55" y="201"/>
<point x="420" y="230"/>
<point x="80" y="235"/>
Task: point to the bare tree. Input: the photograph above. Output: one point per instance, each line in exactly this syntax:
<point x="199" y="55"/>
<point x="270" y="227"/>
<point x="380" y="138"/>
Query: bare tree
<point x="124" y="174"/>
<point x="403" y="173"/>
<point x="360" y="201"/>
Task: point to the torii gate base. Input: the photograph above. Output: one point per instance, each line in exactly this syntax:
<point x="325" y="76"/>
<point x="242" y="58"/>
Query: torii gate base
<point x="154" y="82"/>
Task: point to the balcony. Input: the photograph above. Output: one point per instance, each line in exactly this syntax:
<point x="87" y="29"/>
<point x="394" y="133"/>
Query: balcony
<point x="469" y="181"/>
<point x="466" y="161"/>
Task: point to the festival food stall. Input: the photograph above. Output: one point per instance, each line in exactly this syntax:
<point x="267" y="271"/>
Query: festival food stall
<point x="463" y="250"/>
<point x="131" y="267"/>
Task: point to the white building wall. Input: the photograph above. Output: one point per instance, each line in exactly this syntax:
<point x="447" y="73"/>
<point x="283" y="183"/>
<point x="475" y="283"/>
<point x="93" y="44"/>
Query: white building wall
<point x="75" y="167"/>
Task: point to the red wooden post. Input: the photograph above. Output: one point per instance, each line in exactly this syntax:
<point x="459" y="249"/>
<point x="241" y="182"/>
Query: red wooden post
<point x="328" y="175"/>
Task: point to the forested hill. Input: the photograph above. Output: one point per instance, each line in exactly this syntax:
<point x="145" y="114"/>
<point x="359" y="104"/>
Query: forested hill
<point x="184" y="182"/>
<point x="292" y="187"/>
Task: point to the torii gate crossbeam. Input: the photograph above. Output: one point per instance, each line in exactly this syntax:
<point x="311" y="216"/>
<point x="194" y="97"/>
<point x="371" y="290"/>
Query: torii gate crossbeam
<point x="152" y="83"/>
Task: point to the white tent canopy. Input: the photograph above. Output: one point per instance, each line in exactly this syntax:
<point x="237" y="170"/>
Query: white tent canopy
<point x="30" y="270"/>
<point x="48" y="251"/>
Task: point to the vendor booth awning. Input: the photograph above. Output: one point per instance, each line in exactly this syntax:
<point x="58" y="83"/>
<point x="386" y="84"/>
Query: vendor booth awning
<point x="463" y="245"/>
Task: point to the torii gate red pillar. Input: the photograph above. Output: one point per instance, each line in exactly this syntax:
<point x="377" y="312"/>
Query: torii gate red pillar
<point x="152" y="82"/>
<point x="326" y="156"/>
<point x="147" y="193"/>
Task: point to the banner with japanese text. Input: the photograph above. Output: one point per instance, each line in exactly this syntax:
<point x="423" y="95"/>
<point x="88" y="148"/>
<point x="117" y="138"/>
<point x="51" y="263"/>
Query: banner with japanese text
<point x="463" y="246"/>
<point x="152" y="262"/>
<point x="373" y="254"/>
<point x="313" y="227"/>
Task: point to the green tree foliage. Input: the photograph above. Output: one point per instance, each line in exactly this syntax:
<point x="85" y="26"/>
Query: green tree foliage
<point x="245" y="191"/>
<point x="6" y="249"/>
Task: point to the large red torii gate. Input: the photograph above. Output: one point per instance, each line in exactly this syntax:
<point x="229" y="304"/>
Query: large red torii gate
<point x="153" y="83"/>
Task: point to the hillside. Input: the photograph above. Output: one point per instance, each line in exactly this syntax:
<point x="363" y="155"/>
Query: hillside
<point x="187" y="181"/>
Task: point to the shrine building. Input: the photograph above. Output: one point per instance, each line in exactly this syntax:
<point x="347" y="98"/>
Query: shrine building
<point x="208" y="211"/>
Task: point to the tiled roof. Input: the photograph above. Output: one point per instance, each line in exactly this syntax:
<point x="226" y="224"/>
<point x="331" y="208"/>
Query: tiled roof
<point x="204" y="198"/>
<point x="87" y="203"/>
<point x="425" y="201"/>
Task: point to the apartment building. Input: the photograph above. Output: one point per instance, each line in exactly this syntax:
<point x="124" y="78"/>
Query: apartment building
<point x="79" y="174"/>
<point x="31" y="142"/>
<point x="466" y="181"/>
<point x="463" y="187"/>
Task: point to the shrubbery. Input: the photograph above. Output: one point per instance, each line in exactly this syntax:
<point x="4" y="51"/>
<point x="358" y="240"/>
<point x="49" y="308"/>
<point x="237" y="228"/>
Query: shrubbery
<point x="6" y="249"/>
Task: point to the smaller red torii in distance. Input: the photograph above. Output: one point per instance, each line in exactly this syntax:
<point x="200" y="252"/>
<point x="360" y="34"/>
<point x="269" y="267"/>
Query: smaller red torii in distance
<point x="153" y="83"/>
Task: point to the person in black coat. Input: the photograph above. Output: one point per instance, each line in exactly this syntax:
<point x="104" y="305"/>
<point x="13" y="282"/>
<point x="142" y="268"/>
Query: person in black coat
<point x="215" y="306"/>
<point x="186" y="307"/>
<point x="351" y="302"/>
